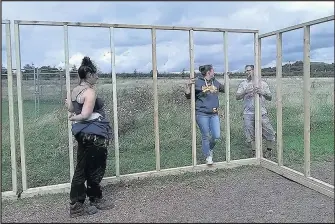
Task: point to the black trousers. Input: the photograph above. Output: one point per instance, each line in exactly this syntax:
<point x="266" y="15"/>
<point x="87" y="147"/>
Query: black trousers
<point x="91" y="167"/>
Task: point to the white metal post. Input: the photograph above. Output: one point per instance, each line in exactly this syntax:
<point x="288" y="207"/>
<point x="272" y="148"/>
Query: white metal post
<point x="68" y="90"/>
<point x="155" y="87"/>
<point x="115" y="116"/>
<point x="11" y="107"/>
<point x="279" y="102"/>
<point x="227" y="114"/>
<point x="20" y="107"/>
<point x="258" y="137"/>
<point x="307" y="103"/>
<point x="194" y="133"/>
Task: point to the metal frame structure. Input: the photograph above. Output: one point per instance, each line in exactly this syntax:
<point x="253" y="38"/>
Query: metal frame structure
<point x="13" y="192"/>
<point x="278" y="167"/>
<point x="302" y="178"/>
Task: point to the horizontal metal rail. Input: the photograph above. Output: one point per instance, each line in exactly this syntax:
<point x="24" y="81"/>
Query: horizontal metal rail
<point x="298" y="26"/>
<point x="131" y="26"/>
<point x="310" y="182"/>
<point x="5" y="21"/>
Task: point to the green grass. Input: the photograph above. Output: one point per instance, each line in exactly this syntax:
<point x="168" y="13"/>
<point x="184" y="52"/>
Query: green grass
<point x="46" y="141"/>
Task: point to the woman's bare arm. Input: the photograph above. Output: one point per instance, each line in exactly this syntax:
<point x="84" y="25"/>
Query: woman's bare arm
<point x="89" y="102"/>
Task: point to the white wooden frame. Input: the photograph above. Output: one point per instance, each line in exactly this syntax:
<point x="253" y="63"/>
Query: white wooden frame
<point x="259" y="160"/>
<point x="13" y="192"/>
<point x="278" y="167"/>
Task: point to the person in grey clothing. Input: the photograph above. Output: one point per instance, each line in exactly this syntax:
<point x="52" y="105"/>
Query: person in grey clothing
<point x="92" y="130"/>
<point x="247" y="91"/>
<point x="207" y="90"/>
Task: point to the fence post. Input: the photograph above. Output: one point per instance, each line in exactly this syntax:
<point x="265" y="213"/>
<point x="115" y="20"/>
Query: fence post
<point x="115" y="117"/>
<point x="19" y="104"/>
<point x="194" y="133"/>
<point x="154" y="74"/>
<point x="11" y="108"/>
<point x="307" y="103"/>
<point x="68" y="90"/>
<point x="227" y="115"/>
<point x="256" y="80"/>
<point x="279" y="70"/>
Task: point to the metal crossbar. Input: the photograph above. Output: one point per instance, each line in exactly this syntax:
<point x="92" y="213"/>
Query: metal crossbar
<point x="132" y="26"/>
<point x="298" y="26"/>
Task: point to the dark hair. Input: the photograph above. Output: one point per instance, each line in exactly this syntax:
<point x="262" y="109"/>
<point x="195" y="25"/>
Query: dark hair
<point x="205" y="68"/>
<point x="87" y="66"/>
<point x="251" y="66"/>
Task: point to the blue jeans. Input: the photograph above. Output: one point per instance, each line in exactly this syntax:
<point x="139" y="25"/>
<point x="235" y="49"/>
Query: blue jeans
<point x="210" y="131"/>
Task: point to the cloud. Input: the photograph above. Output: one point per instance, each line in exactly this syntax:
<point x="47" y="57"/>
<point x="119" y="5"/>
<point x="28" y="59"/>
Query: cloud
<point x="317" y="7"/>
<point x="45" y="45"/>
<point x="323" y="55"/>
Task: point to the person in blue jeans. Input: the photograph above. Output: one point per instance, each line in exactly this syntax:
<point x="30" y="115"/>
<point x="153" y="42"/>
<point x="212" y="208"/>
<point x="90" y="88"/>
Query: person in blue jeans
<point x="207" y="90"/>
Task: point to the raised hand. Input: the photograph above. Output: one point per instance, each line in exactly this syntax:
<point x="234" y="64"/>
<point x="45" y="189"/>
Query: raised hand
<point x="259" y="91"/>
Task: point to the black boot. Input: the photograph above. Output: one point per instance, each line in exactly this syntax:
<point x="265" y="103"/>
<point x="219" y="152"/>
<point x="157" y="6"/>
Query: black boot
<point x="78" y="209"/>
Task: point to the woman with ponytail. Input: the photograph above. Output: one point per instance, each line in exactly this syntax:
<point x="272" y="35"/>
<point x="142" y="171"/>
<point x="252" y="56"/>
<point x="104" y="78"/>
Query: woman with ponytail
<point x="92" y="131"/>
<point x="207" y="90"/>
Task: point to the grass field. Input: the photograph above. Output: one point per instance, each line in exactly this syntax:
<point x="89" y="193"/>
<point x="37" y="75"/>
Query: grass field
<point x="46" y="136"/>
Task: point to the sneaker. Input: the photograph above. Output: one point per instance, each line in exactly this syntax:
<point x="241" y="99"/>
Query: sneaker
<point x="211" y="153"/>
<point x="78" y="209"/>
<point x="209" y="160"/>
<point x="101" y="204"/>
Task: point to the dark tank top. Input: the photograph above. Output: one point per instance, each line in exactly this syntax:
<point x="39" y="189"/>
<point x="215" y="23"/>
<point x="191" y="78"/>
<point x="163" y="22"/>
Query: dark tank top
<point x="98" y="106"/>
<point x="99" y="126"/>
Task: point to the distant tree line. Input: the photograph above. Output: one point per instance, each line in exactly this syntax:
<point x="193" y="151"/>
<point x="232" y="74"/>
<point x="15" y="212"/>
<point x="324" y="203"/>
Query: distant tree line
<point x="318" y="69"/>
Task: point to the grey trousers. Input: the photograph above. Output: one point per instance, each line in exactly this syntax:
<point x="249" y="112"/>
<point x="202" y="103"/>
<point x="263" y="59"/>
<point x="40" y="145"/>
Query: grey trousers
<point x="249" y="128"/>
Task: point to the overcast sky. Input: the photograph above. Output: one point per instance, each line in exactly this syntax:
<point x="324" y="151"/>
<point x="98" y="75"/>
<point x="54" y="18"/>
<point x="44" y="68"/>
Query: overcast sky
<point x="43" y="45"/>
